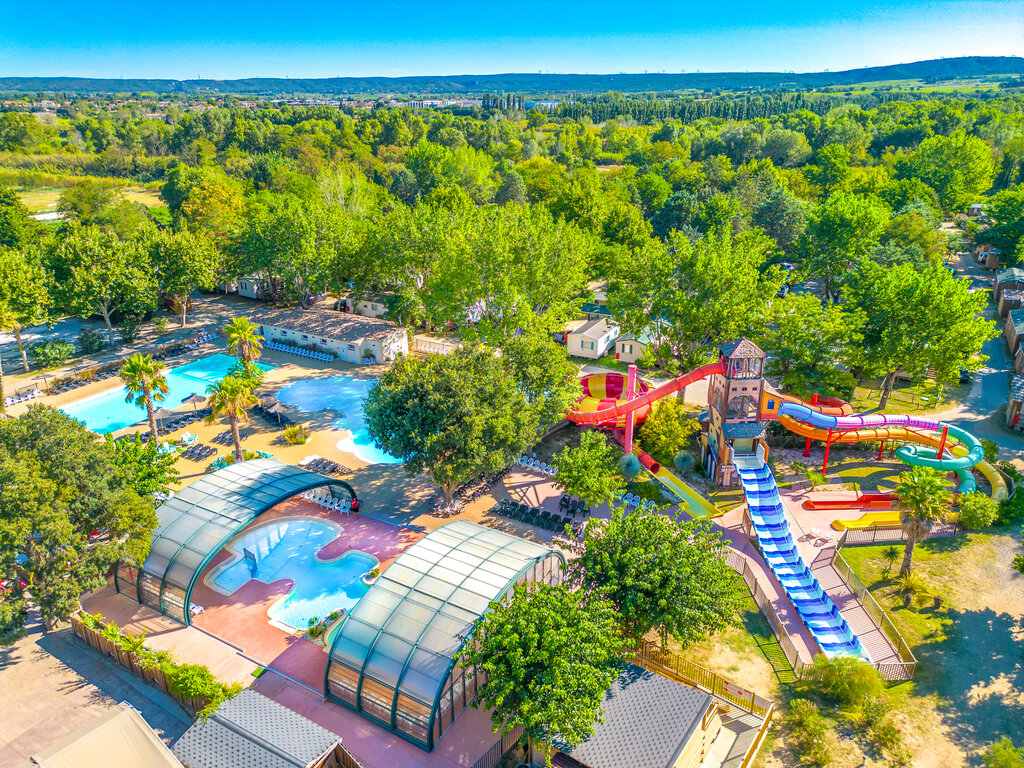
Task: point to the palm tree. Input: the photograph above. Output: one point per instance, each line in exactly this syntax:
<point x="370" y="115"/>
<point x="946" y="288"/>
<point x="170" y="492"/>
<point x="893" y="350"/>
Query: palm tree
<point x="244" y="340"/>
<point x="925" y="498"/>
<point x="231" y="397"/>
<point x="145" y="385"/>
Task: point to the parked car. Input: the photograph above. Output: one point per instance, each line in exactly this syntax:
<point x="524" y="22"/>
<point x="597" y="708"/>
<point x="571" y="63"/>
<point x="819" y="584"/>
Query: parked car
<point x="783" y="291"/>
<point x="965" y="376"/>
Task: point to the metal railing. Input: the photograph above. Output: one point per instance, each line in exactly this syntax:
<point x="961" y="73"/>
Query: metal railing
<point x="906" y="667"/>
<point x="764" y="604"/>
<point x="497" y="753"/>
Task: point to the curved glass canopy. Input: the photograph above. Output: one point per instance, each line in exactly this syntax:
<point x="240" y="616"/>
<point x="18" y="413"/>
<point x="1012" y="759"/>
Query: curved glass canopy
<point x="394" y="659"/>
<point x="196" y="523"/>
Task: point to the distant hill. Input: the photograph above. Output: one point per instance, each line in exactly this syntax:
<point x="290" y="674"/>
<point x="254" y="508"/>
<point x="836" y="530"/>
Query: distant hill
<point x="468" y="85"/>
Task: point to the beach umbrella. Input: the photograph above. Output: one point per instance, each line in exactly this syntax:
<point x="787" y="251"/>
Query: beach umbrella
<point x="193" y="400"/>
<point x="162" y="413"/>
<point x="277" y="408"/>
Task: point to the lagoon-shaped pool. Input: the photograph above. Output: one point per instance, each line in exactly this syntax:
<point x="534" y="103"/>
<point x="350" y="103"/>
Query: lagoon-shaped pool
<point x="287" y="549"/>
<point x="344" y="396"/>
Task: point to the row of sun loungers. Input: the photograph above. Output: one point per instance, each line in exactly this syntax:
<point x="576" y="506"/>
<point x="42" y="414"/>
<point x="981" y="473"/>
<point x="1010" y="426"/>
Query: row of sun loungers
<point x="541" y="518"/>
<point x="198" y="452"/>
<point x="307" y="353"/>
<point x="325" y="500"/>
<point x="573" y="506"/>
<point x="540" y="466"/>
<point x="15" y="399"/>
<point x="327" y="467"/>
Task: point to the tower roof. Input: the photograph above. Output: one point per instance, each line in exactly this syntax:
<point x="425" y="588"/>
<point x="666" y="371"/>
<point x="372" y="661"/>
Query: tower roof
<point x="741" y="348"/>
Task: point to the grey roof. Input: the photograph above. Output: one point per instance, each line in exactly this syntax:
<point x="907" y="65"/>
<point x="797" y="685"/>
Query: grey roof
<point x="648" y="719"/>
<point x="1011" y="274"/>
<point x="593" y="329"/>
<point x="743" y="430"/>
<point x="1012" y="295"/>
<point x="327" y="324"/>
<point x="252" y="731"/>
<point x="1016" y="318"/>
<point x="1017" y="389"/>
<point x="196" y="522"/>
<point x="741" y="348"/>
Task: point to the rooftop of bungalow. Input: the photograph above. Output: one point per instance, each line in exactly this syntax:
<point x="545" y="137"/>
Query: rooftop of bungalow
<point x="327" y="324"/>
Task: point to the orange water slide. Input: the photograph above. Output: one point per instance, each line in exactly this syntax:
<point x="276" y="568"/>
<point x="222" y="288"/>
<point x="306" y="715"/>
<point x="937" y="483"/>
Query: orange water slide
<point x="609" y="407"/>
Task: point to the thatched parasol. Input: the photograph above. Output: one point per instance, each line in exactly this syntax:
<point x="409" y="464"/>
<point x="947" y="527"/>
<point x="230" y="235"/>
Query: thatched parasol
<point x="194" y="400"/>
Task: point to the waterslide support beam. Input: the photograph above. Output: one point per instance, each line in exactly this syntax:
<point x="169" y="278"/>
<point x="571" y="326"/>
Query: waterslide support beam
<point x="828" y="444"/>
<point x="631" y="415"/>
<point x="942" y="441"/>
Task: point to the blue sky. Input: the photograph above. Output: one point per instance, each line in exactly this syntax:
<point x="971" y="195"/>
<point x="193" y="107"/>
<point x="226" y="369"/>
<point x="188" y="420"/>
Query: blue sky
<point x="314" y="38"/>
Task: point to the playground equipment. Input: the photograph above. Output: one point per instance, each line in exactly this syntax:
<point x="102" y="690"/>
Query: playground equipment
<point x="740" y="401"/>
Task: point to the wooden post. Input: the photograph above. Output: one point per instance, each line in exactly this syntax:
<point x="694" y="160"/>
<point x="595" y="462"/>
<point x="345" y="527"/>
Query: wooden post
<point x="828" y="444"/>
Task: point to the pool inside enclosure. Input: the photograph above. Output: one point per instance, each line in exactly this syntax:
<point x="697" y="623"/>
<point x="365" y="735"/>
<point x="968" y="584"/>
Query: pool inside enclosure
<point x="198" y="521"/>
<point x="394" y="659"/>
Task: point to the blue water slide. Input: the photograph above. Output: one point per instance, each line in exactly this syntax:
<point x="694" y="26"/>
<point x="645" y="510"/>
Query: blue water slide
<point x="814" y="606"/>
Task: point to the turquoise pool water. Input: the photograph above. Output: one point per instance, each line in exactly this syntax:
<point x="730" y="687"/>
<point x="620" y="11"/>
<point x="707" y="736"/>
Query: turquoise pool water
<point x="344" y="395"/>
<point x="109" y="412"/>
<point x="286" y="549"/>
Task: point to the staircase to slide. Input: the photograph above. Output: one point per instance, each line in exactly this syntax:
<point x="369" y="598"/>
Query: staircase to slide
<point x="812" y="603"/>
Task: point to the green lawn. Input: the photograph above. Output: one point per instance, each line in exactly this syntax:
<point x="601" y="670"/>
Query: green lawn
<point x="907" y="397"/>
<point x="971" y="648"/>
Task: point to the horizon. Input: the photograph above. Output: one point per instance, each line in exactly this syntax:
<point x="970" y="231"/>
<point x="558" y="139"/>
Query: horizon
<point x="229" y="41"/>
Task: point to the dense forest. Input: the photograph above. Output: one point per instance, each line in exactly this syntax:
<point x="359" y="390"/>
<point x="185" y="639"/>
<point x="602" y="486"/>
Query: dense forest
<point x="495" y="221"/>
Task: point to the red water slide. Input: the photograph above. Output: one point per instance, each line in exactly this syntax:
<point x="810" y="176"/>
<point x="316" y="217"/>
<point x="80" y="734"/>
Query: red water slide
<point x="622" y="408"/>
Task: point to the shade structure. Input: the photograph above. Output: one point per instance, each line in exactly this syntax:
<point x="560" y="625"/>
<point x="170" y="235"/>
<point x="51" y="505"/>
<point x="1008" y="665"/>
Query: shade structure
<point x="394" y="660"/>
<point x="196" y="523"/>
<point x="193" y="400"/>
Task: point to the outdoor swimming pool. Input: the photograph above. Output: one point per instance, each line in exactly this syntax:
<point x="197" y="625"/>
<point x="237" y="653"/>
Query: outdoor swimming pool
<point x="109" y="412"/>
<point x="286" y="549"/>
<point x="343" y="395"/>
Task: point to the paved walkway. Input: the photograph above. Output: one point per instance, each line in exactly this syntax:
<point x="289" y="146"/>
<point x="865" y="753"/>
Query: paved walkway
<point x="53" y="684"/>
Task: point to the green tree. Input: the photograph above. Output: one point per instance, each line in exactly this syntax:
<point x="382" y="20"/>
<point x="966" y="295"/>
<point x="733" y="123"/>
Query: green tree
<point x="545" y="375"/>
<point x="145" y="385"/>
<point x="231" y="398"/>
<point x="148" y="471"/>
<point x="958" y="167"/>
<point x="783" y="218"/>
<point x="667" y="429"/>
<point x="16" y="228"/>
<point x="244" y="340"/>
<point x="453" y="416"/>
<point x="832" y="168"/>
<point x="184" y="262"/>
<point x="97" y="272"/>
<point x="654" y="191"/>
<point x="840" y="231"/>
<point x="512" y="190"/>
<point x="1006" y="210"/>
<point x="688" y="297"/>
<point x="87" y="200"/>
<point x="811" y="347"/>
<point x="915" y="321"/>
<point x="660" y="574"/>
<point x="977" y="510"/>
<point x="59" y="484"/>
<point x="925" y="500"/>
<point x="24" y="296"/>
<point x="589" y="470"/>
<point x="549" y="657"/>
<point x="1003" y="754"/>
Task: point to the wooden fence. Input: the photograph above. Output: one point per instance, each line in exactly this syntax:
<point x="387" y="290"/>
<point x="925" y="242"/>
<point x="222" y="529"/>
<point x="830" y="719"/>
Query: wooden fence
<point x="653" y="657"/>
<point x="130" y="661"/>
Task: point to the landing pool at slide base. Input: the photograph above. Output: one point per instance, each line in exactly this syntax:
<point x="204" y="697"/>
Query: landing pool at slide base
<point x="815" y="607"/>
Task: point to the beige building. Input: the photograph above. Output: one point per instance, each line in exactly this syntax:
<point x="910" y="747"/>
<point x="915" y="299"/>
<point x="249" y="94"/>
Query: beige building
<point x="629" y="347"/>
<point x="592" y="340"/>
<point x="372" y="306"/>
<point x="352" y="338"/>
